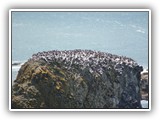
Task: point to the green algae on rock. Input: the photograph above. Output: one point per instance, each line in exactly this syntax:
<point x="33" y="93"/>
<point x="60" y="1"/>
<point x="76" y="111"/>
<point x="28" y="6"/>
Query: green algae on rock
<point x="77" y="79"/>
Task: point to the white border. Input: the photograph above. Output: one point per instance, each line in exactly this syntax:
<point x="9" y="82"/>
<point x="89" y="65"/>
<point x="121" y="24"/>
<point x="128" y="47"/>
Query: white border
<point x="94" y="10"/>
<point x="10" y="59"/>
<point x="106" y="10"/>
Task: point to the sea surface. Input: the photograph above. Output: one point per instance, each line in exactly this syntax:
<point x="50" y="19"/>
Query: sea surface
<point x="121" y="33"/>
<point x="144" y="103"/>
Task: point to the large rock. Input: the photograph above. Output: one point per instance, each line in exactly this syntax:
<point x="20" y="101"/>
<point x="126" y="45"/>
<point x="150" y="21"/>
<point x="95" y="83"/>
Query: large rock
<point x="77" y="79"/>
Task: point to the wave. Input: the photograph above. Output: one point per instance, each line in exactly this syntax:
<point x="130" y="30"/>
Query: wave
<point x="16" y="65"/>
<point x="144" y="103"/>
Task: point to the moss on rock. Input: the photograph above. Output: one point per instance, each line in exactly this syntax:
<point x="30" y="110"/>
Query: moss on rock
<point x="80" y="82"/>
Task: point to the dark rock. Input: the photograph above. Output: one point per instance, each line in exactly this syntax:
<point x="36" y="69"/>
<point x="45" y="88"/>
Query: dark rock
<point x="77" y="79"/>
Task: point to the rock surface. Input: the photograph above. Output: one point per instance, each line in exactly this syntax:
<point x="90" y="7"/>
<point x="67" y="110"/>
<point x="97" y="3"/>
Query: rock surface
<point x="144" y="85"/>
<point x="77" y="79"/>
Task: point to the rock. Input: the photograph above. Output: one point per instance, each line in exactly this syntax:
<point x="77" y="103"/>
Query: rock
<point x="77" y="79"/>
<point x="144" y="85"/>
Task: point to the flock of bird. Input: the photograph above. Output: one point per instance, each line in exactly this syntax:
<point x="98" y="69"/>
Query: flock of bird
<point x="94" y="60"/>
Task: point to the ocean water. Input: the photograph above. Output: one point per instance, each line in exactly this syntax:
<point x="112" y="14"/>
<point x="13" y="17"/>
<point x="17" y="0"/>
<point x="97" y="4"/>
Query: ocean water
<point x="144" y="103"/>
<point x="121" y="33"/>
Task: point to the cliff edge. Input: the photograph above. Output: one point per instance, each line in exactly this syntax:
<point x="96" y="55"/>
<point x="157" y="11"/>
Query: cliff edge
<point x="77" y="79"/>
